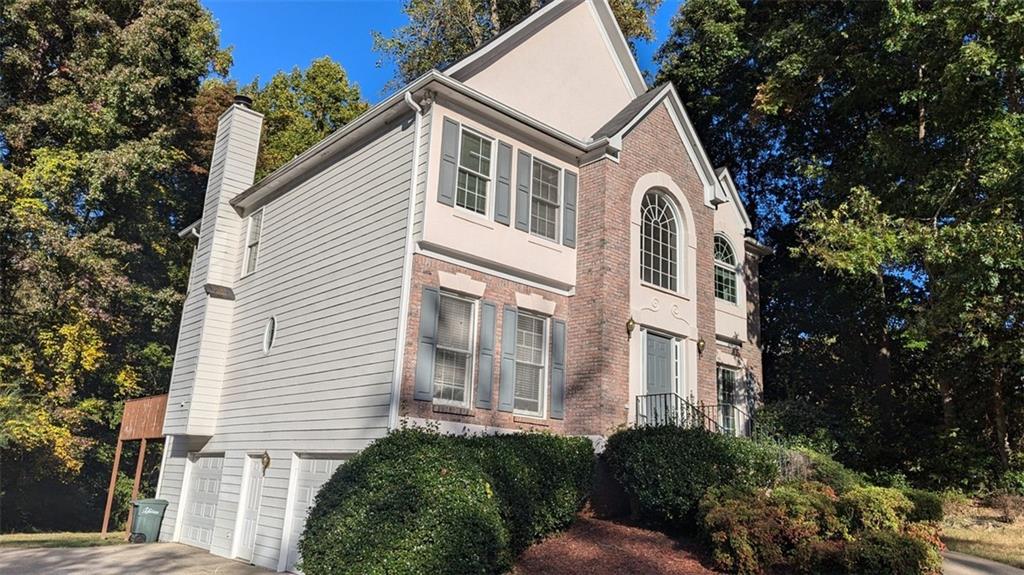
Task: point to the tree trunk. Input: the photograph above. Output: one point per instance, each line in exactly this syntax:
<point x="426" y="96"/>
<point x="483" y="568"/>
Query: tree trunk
<point x="1002" y="439"/>
<point x="921" y="118"/>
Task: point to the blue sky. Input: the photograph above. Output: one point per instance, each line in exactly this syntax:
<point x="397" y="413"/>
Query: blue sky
<point x="272" y="35"/>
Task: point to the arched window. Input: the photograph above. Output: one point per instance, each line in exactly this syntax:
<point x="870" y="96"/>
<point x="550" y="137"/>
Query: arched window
<point x="659" y="242"/>
<point x="725" y="270"/>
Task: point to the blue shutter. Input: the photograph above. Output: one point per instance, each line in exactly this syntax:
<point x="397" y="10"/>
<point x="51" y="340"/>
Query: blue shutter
<point x="429" y="306"/>
<point x="485" y="377"/>
<point x="503" y="185"/>
<point x="558" y="369"/>
<point x="507" y="385"/>
<point x="569" y="213"/>
<point x="449" y="162"/>
<point x="524" y="172"/>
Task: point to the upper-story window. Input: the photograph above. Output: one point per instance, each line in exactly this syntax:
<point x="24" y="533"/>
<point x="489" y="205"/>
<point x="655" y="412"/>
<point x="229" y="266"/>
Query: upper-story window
<point x="453" y="355"/>
<point x="544" y="200"/>
<point x="725" y="270"/>
<point x="531" y="364"/>
<point x="659" y="242"/>
<point x="252" y="241"/>
<point x="474" y="172"/>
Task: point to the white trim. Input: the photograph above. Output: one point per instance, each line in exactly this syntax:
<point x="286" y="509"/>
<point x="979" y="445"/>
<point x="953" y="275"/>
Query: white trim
<point x="289" y="511"/>
<point x="259" y="242"/>
<point x="186" y="482"/>
<point x="168" y="439"/>
<point x="426" y="250"/>
<point x="471" y="353"/>
<point x="492" y="168"/>
<point x="542" y="402"/>
<point x="269" y="334"/>
<point x="403" y="305"/>
<point x="243" y="491"/>
<point x="559" y="207"/>
<point x="737" y="269"/>
<point x="461" y="283"/>
<point x="725" y="178"/>
<point x="535" y="303"/>
<point x="608" y="44"/>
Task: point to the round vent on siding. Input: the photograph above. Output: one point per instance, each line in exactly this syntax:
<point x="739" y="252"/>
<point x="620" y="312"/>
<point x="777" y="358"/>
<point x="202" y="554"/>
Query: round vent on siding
<point x="269" y="333"/>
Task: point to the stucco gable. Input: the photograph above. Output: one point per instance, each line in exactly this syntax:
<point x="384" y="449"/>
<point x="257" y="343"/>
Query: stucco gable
<point x="566" y="65"/>
<point x="729" y="186"/>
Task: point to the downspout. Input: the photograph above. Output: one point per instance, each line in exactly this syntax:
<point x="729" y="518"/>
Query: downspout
<point x="403" y="308"/>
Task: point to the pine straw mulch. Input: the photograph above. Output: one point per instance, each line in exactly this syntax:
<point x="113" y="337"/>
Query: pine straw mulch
<point x="599" y="547"/>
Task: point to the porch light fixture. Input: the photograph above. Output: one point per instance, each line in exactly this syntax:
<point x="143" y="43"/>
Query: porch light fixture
<point x="701" y="344"/>
<point x="265" y="461"/>
<point x="630" y="326"/>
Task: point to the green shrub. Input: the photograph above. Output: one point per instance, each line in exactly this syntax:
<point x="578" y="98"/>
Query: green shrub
<point x="417" y="502"/>
<point x="875" y="508"/>
<point x="826" y="470"/>
<point x="927" y="505"/>
<point x="891" y="553"/>
<point x="753" y="530"/>
<point x="667" y="469"/>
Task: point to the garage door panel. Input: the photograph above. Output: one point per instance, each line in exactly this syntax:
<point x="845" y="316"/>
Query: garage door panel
<point x="203" y="495"/>
<point x="312" y="474"/>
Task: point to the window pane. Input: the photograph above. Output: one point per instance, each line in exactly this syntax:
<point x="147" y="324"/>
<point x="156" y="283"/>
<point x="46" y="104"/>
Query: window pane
<point x="450" y="374"/>
<point x="544" y="219"/>
<point x="544" y="204"/>
<point x="530" y="362"/>
<point x="454" y="323"/>
<point x="255" y="227"/>
<point x="723" y="251"/>
<point x="475" y="154"/>
<point x="659" y="254"/>
<point x="725" y="284"/>
<point x="471" y="192"/>
<point x="528" y="388"/>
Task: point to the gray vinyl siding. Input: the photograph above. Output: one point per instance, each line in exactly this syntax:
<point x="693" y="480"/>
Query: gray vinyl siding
<point x="330" y="271"/>
<point x="423" y="171"/>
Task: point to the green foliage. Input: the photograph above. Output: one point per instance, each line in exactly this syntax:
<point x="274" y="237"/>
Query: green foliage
<point x="875" y="508"/>
<point x="416" y="502"/>
<point x="751" y="531"/>
<point x="300" y="108"/>
<point x="927" y="505"/>
<point x="666" y="469"/>
<point x="891" y="552"/>
<point x="882" y="146"/>
<point x="826" y="470"/>
<point x="439" y="33"/>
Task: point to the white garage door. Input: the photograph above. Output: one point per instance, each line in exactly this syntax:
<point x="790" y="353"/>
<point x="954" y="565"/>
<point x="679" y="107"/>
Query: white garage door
<point x="201" y="505"/>
<point x="313" y="473"/>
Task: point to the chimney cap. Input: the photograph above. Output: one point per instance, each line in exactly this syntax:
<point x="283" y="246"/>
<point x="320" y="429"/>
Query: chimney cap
<point x="243" y="100"/>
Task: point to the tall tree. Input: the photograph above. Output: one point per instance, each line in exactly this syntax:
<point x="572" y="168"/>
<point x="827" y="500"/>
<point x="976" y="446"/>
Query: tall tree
<point x="300" y="108"/>
<point x="881" y="142"/>
<point x="103" y="158"/>
<point x="440" y="32"/>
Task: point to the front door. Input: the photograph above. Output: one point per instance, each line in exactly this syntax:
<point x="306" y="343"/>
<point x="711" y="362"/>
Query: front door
<point x="252" y="493"/>
<point x="660" y="403"/>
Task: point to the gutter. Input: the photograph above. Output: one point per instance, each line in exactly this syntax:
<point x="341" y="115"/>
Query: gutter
<point x="403" y="306"/>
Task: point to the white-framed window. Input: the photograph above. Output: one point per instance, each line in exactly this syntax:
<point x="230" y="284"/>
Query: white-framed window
<point x="659" y="241"/>
<point x="725" y="270"/>
<point x="474" y="179"/>
<point x="453" y="355"/>
<point x="531" y="364"/>
<point x="252" y="241"/>
<point x="545" y="200"/>
<point x="727" y="398"/>
<point x="269" y="334"/>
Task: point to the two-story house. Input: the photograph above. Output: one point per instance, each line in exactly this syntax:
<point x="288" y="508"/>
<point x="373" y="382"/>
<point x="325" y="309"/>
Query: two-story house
<point x="531" y="239"/>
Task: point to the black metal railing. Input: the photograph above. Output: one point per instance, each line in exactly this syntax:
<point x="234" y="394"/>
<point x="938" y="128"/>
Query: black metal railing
<point x="671" y="409"/>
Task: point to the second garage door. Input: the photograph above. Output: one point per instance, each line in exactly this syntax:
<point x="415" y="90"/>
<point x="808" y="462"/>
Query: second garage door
<point x="201" y="503"/>
<point x="313" y="473"/>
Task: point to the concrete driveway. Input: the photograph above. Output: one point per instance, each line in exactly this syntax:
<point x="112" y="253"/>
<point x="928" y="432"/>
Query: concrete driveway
<point x="155" y="559"/>
<point x="960" y="564"/>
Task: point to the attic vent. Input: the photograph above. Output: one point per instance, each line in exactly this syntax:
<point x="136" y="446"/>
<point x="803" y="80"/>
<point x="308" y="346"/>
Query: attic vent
<point x="269" y="333"/>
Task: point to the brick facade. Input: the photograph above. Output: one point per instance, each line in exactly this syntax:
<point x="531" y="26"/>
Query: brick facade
<point x="500" y="291"/>
<point x="597" y="394"/>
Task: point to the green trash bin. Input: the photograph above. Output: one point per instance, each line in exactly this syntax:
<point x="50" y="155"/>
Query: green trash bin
<point x="146" y="519"/>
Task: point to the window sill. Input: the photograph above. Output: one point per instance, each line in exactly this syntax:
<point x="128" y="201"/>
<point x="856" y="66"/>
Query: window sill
<point x="677" y="294"/>
<point x="451" y="409"/>
<point x="530" y="420"/>
<point x="478" y="219"/>
<point x="545" y="243"/>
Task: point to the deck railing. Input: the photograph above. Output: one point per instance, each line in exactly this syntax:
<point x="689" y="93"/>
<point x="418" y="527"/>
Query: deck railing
<point x="671" y="409"/>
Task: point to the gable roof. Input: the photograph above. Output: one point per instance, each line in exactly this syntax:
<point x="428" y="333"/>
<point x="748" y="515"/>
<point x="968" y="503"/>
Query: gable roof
<point x="627" y="114"/>
<point x="491" y="50"/>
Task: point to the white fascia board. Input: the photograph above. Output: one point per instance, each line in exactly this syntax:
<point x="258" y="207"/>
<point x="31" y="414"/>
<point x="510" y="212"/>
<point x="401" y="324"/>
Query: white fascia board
<point x="730" y="187"/>
<point x="620" y="46"/>
<point x="191" y="229"/>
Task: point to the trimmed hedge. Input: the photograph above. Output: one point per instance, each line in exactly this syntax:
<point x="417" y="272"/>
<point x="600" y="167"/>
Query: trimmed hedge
<point x="891" y="553"/>
<point x="875" y="508"/>
<point x="418" y="502"/>
<point x="927" y="505"/>
<point x="667" y="469"/>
